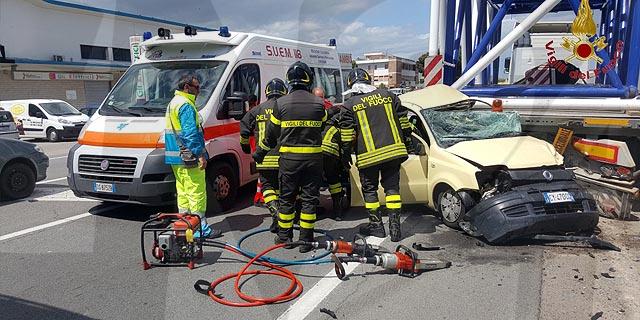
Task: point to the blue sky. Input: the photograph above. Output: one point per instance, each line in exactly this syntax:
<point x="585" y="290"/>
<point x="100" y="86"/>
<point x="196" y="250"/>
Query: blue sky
<point x="398" y="27"/>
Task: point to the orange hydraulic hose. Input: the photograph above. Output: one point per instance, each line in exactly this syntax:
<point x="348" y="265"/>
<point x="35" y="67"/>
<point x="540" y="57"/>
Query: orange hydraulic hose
<point x="293" y="291"/>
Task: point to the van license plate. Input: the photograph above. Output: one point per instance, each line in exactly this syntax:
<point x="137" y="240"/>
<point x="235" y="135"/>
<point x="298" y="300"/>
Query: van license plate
<point x="104" y="187"/>
<point x="558" y="197"/>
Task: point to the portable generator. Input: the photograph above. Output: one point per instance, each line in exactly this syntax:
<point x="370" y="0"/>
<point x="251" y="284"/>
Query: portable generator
<point x="173" y="240"/>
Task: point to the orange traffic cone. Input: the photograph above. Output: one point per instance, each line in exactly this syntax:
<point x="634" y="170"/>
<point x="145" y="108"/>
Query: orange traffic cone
<point x="258" y="199"/>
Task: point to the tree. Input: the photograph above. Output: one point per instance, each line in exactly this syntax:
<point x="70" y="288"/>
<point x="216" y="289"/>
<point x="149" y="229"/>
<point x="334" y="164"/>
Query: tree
<point x="382" y="86"/>
<point x="420" y="63"/>
<point x="353" y="64"/>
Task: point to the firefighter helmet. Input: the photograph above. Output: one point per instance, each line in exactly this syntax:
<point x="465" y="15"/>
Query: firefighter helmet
<point x="276" y="88"/>
<point x="358" y="75"/>
<point x="300" y="75"/>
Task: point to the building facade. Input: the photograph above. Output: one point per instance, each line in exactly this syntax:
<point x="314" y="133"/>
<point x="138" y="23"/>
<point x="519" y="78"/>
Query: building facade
<point x="388" y="70"/>
<point x="60" y="50"/>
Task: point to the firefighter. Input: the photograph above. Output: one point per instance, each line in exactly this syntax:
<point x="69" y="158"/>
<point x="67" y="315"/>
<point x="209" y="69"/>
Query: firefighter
<point x="296" y="126"/>
<point x="255" y="123"/>
<point x="185" y="151"/>
<point x="381" y="126"/>
<point x="332" y="159"/>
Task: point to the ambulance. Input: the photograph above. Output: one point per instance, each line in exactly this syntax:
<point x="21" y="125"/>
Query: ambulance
<point x="119" y="156"/>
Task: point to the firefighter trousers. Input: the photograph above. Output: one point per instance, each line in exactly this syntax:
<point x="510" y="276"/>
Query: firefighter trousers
<point x="301" y="177"/>
<point x="387" y="174"/>
<point x="334" y="173"/>
<point x="191" y="190"/>
<point x="270" y="185"/>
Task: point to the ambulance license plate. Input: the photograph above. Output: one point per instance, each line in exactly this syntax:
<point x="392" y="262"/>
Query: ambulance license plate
<point x="558" y="197"/>
<point x="104" y="187"/>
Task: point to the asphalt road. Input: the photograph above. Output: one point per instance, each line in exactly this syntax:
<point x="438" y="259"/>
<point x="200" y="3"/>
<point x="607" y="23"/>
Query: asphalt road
<point x="67" y="258"/>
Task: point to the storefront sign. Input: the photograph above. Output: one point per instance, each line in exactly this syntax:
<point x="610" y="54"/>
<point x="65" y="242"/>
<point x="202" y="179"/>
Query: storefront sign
<point x="136" y="49"/>
<point x="27" y="75"/>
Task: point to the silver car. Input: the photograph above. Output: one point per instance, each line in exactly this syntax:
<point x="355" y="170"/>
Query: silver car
<point x="8" y="128"/>
<point x="21" y="165"/>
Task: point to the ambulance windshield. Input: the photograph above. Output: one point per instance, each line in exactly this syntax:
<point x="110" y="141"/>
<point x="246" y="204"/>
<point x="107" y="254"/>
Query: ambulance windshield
<point x="146" y="89"/>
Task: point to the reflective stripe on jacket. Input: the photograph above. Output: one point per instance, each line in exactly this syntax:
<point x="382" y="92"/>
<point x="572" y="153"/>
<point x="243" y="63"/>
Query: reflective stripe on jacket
<point x="380" y="124"/>
<point x="182" y="116"/>
<point x="255" y="123"/>
<point x="296" y="125"/>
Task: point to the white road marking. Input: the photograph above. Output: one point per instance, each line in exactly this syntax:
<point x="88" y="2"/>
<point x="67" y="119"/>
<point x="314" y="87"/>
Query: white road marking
<point x="310" y="300"/>
<point x="55" y="223"/>
<point x="56" y="158"/>
<point x="66" y="195"/>
<point x="52" y="180"/>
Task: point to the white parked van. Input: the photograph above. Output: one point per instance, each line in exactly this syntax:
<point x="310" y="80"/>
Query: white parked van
<point x="120" y="152"/>
<point x="45" y="118"/>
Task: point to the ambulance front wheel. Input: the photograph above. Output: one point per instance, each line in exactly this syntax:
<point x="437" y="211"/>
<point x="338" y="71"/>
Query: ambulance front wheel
<point x="222" y="187"/>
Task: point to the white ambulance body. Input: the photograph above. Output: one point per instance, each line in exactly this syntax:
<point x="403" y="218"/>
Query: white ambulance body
<point x="120" y="152"/>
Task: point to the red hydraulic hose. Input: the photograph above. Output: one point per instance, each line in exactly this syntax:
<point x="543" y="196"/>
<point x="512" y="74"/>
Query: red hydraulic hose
<point x="292" y="292"/>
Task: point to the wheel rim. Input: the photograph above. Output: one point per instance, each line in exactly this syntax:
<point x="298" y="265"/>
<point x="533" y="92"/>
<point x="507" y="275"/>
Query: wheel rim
<point x="223" y="187"/>
<point x="450" y="207"/>
<point x="53" y="135"/>
<point x="18" y="181"/>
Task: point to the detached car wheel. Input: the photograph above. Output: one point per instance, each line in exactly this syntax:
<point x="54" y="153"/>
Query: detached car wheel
<point x="17" y="181"/>
<point x="223" y="184"/>
<point x="451" y="208"/>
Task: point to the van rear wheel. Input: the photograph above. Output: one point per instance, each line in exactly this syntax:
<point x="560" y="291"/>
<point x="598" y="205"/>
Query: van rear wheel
<point x="222" y="186"/>
<point x="53" y="135"/>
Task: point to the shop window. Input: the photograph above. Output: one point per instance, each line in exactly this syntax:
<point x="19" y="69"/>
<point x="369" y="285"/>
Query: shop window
<point x="93" y="52"/>
<point x="120" y="54"/>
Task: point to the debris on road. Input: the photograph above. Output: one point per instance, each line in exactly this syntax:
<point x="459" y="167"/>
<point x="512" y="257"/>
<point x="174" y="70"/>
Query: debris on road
<point x="597" y="316"/>
<point x="607" y="275"/>
<point x="329" y="312"/>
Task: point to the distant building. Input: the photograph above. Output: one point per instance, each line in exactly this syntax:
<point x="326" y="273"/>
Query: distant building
<point x="392" y="71"/>
<point x="345" y="65"/>
<point x="68" y="51"/>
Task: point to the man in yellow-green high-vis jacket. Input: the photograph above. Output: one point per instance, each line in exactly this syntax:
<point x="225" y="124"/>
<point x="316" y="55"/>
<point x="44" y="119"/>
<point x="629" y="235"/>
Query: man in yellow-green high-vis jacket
<point x="184" y="131"/>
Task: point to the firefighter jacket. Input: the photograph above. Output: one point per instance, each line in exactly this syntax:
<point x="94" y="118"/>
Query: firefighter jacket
<point x="381" y="125"/>
<point x="296" y="126"/>
<point x="331" y="134"/>
<point x="254" y="123"/>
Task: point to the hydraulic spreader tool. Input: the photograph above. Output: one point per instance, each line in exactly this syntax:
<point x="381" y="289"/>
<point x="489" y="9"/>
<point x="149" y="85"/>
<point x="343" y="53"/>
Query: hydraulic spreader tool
<point x="175" y="244"/>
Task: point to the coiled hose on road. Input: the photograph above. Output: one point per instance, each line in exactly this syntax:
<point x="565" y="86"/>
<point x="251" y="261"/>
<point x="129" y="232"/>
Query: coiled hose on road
<point x="276" y="265"/>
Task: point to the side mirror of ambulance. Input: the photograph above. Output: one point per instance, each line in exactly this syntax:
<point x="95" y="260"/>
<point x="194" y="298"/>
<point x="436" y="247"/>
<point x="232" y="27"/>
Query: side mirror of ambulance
<point x="235" y="105"/>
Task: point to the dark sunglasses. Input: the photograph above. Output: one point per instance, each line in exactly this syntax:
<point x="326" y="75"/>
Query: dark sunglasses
<point x="194" y="86"/>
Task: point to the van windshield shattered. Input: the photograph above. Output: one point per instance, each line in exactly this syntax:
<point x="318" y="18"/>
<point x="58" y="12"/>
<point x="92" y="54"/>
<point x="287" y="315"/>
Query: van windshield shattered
<point x="450" y="127"/>
<point x="146" y="89"/>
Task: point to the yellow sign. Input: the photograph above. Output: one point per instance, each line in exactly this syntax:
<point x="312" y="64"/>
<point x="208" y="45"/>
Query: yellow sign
<point x="17" y="109"/>
<point x="562" y="140"/>
<point x="583" y="29"/>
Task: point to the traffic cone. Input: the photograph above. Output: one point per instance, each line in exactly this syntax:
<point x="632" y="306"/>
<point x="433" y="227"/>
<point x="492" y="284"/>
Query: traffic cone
<point x="258" y="199"/>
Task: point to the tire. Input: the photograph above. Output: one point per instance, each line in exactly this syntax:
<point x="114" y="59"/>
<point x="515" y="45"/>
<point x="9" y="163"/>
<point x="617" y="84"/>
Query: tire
<point x="222" y="184"/>
<point x="451" y="208"/>
<point x="17" y="181"/>
<point x="53" y="135"/>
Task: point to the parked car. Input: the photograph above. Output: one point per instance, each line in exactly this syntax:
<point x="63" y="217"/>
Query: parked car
<point x="46" y="118"/>
<point x="8" y="127"/>
<point x="480" y="173"/>
<point x="21" y="165"/>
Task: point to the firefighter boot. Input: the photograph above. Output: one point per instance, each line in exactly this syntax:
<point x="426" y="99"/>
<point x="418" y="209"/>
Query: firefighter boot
<point x="273" y="210"/>
<point x="338" y="212"/>
<point x="374" y="227"/>
<point x="394" y="224"/>
<point x="306" y="235"/>
<point x="284" y="236"/>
